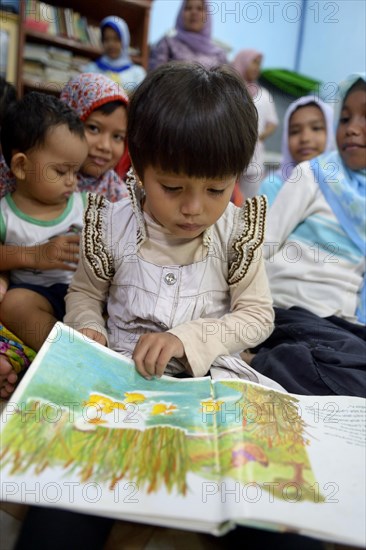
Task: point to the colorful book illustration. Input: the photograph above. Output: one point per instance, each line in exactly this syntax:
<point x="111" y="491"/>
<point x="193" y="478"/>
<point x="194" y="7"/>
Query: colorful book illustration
<point x="85" y="431"/>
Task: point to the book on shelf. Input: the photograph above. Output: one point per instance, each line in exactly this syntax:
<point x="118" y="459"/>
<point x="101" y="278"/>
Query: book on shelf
<point x="84" y="431"/>
<point x="51" y="64"/>
<point x="57" y="21"/>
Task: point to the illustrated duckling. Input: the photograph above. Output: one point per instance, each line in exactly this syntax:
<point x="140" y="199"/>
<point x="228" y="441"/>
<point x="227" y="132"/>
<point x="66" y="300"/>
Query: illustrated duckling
<point x="163" y="408"/>
<point x="131" y="397"/>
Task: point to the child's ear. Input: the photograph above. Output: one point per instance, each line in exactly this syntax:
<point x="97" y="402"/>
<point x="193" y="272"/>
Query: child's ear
<point x="18" y="164"/>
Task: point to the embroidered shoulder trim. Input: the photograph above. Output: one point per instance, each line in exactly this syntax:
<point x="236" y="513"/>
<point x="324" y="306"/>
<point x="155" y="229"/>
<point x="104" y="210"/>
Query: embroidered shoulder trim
<point x="96" y="253"/>
<point x="252" y="222"/>
<point x="136" y="196"/>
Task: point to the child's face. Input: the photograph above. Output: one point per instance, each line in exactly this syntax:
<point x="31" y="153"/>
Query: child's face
<point x="307" y="135"/>
<point x="51" y="169"/>
<point x="351" y="131"/>
<point x="106" y="136"/>
<point x="111" y="43"/>
<point x="194" y="15"/>
<point x="185" y="205"/>
<point x="254" y="69"/>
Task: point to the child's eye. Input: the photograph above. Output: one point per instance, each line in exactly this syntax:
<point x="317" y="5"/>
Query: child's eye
<point x="343" y="119"/>
<point x="170" y="189"/>
<point x="216" y="191"/>
<point x="318" y="128"/>
<point x="60" y="172"/>
<point x="92" y="128"/>
<point x="119" y="138"/>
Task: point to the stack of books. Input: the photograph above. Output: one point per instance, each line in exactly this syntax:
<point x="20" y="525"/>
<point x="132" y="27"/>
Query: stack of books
<point x="50" y="64"/>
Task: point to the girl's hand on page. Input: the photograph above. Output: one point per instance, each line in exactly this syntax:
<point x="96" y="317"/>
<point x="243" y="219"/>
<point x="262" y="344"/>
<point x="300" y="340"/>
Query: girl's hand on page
<point x="153" y="352"/>
<point x="95" y="335"/>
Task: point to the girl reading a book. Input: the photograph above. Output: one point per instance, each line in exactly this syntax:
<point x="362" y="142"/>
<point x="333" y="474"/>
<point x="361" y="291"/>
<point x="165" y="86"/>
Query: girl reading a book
<point x="177" y="264"/>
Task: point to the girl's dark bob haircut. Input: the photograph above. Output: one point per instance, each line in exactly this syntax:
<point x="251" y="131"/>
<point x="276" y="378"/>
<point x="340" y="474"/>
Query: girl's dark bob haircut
<point x="186" y="119"/>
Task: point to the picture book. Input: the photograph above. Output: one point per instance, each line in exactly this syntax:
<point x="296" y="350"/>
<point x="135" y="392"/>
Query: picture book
<point x="85" y="431"/>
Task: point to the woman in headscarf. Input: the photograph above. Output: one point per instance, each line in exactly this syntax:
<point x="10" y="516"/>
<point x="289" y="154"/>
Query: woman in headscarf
<point x="116" y="62"/>
<point x="191" y="39"/>
<point x="307" y="132"/>
<point x="248" y="64"/>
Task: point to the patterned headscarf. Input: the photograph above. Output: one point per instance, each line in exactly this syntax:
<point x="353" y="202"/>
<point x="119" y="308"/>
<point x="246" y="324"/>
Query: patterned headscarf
<point x="88" y="91"/>
<point x="123" y="62"/>
<point x="345" y="191"/>
<point x="199" y="42"/>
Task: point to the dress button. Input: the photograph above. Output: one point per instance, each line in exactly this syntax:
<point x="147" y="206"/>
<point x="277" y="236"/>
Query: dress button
<point x="170" y="279"/>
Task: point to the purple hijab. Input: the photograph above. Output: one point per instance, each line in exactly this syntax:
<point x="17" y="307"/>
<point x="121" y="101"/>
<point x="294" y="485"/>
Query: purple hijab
<point x="199" y="42"/>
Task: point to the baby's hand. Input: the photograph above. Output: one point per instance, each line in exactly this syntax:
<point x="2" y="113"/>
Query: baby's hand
<point x="153" y="351"/>
<point x="61" y="252"/>
<point x="94" y="335"/>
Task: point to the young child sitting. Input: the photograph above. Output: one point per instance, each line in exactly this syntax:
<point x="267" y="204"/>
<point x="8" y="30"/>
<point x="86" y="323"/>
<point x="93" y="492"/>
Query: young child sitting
<point x="307" y="132"/>
<point x="102" y="106"/>
<point x="43" y="142"/>
<point x="178" y="265"/>
<point x="316" y="260"/>
<point x="116" y="62"/>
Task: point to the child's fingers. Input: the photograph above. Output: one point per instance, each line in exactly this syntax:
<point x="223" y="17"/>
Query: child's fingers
<point x="153" y="352"/>
<point x="95" y="335"/>
<point x="7" y="390"/>
<point x="162" y="361"/>
<point x="12" y="378"/>
<point x="145" y="355"/>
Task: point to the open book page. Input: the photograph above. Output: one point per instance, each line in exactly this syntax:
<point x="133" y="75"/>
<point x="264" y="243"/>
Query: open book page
<point x="293" y="462"/>
<point x="85" y="431"/>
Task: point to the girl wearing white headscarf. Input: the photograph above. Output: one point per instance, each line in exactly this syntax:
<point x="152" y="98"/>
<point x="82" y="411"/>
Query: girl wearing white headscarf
<point x="307" y="133"/>
<point x="315" y="252"/>
<point x="116" y="63"/>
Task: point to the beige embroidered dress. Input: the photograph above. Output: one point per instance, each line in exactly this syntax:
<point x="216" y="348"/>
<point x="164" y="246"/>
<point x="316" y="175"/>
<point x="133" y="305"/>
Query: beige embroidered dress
<point x="211" y="292"/>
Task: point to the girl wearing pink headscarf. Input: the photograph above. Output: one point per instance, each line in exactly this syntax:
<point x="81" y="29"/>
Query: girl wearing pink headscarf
<point x="248" y="64"/>
<point x="190" y="40"/>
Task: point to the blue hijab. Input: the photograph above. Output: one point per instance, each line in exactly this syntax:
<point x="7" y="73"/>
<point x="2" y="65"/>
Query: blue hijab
<point x="346" y="193"/>
<point x="123" y="62"/>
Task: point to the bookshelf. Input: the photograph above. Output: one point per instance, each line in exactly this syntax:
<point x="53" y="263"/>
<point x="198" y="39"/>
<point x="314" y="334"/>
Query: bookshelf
<point x="70" y="30"/>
